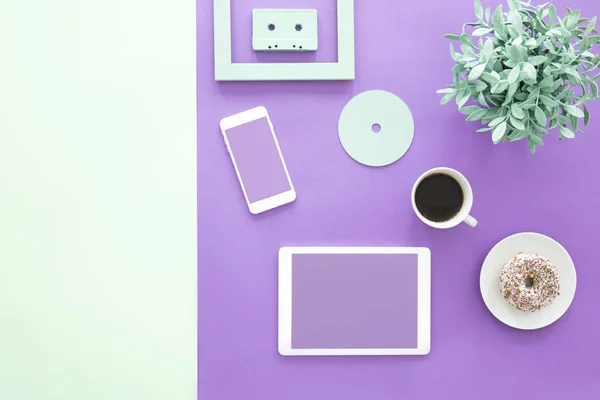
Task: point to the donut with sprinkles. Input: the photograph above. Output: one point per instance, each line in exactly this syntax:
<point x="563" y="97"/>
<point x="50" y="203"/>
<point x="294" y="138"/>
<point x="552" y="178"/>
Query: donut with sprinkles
<point x="529" y="282"/>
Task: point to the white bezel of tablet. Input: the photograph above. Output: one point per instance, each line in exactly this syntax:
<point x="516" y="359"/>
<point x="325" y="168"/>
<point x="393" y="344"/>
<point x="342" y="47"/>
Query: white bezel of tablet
<point x="285" y="301"/>
<point x="243" y="118"/>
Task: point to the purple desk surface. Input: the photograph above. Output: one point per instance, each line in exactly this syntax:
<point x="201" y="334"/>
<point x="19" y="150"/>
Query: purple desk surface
<point x="399" y="48"/>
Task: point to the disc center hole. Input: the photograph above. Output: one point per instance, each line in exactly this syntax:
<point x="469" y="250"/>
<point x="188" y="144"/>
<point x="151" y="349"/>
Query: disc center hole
<point x="376" y="128"/>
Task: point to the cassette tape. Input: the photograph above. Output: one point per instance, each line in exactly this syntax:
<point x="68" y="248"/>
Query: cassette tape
<point x="284" y="29"/>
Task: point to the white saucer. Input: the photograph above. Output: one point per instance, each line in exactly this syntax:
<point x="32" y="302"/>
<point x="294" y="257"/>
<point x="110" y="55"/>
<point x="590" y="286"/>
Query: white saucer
<point x="527" y="243"/>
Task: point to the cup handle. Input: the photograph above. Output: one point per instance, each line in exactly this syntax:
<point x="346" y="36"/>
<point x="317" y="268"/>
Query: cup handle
<point x="472" y="222"/>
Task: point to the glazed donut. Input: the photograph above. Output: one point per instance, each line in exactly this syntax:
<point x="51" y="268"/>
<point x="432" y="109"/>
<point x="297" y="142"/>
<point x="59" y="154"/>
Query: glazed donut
<point x="529" y="282"/>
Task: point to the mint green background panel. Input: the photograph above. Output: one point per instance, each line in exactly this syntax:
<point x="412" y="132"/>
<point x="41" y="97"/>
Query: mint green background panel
<point x="98" y="236"/>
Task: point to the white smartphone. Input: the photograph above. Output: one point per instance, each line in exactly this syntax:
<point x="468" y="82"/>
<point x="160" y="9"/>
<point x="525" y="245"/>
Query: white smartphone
<point x="256" y="156"/>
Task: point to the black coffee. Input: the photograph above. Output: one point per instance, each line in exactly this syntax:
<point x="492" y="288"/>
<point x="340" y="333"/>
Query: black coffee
<point x="439" y="197"/>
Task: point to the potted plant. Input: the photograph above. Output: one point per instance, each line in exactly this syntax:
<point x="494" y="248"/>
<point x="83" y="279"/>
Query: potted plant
<point x="525" y="72"/>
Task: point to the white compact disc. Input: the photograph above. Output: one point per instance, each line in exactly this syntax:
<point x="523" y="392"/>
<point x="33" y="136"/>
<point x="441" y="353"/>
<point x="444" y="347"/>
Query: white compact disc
<point x="376" y="128"/>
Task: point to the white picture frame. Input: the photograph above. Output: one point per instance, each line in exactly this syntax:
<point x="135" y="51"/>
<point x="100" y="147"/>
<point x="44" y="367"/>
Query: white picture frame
<point x="285" y="301"/>
<point x="226" y="70"/>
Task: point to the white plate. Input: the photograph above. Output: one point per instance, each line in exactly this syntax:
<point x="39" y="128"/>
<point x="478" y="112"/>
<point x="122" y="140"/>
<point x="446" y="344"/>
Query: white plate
<point x="527" y="243"/>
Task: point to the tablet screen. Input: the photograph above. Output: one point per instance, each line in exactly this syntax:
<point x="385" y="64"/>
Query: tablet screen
<point x="354" y="301"/>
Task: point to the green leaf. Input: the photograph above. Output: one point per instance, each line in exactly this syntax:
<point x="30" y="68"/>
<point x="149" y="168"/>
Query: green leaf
<point x="481" y="31"/>
<point x="480" y="86"/>
<point x="594" y="87"/>
<point x="488" y="13"/>
<point x="513" y="75"/>
<point x="491" y="77"/>
<point x="527" y="105"/>
<point x="514" y="53"/>
<point x="521" y="96"/>
<point x="566" y="132"/>
<point x="574" y="19"/>
<point x="574" y="123"/>
<point x="476" y="72"/>
<point x="547" y="89"/>
<point x="466" y="40"/>
<point x="515" y="20"/>
<point x="540" y="117"/>
<point x="574" y="111"/>
<point x="484" y="129"/>
<point x="547" y="82"/>
<point x="497" y="121"/>
<point x="548" y="71"/>
<point x="491" y="114"/>
<point x="469" y="54"/>
<point x="465" y="98"/>
<point x="590" y="26"/>
<point x="548" y="101"/>
<point x="536" y="140"/>
<point x="456" y="72"/>
<point x="488" y="50"/>
<point x="551" y="14"/>
<point x="557" y="83"/>
<point x="565" y="32"/>
<point x="586" y="54"/>
<point x="498" y="21"/>
<point x="533" y="95"/>
<point x="554" y="32"/>
<point x="455" y="56"/>
<point x="586" y="116"/>
<point x="452" y="36"/>
<point x="446" y="91"/>
<point x="481" y="99"/>
<point x="537" y="60"/>
<point x="462" y="100"/>
<point x="518" y="135"/>
<point x="584" y="45"/>
<point x="498" y="133"/>
<point x="535" y="128"/>
<point x="469" y="110"/>
<point x="531" y="144"/>
<point x="472" y="64"/>
<point x="476" y="115"/>
<point x="518" y="41"/>
<point x="553" y="123"/>
<point x="593" y="40"/>
<point x="512" y="89"/>
<point x="446" y="99"/>
<point x="500" y="87"/>
<point x="516" y="123"/>
<point x="529" y="71"/>
<point x="478" y="9"/>
<point x="563" y="120"/>
<point x="530" y="102"/>
<point x="496" y="71"/>
<point x="512" y="32"/>
<point x="530" y="42"/>
<point x="571" y="73"/>
<point x="517" y="111"/>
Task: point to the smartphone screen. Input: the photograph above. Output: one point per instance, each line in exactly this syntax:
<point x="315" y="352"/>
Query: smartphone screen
<point x="255" y="153"/>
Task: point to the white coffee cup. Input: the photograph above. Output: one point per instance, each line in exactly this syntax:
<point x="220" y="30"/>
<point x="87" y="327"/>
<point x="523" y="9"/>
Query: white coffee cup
<point x="463" y="214"/>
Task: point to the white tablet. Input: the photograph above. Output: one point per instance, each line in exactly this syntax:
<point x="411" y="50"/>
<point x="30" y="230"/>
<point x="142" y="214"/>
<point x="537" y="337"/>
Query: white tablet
<point x="354" y="301"/>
